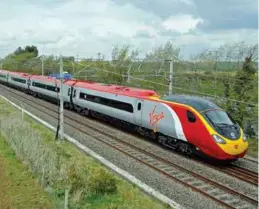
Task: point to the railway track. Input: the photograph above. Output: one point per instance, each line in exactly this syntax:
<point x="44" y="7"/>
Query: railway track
<point x="236" y="171"/>
<point x="242" y="173"/>
<point x="250" y="159"/>
<point x="209" y="188"/>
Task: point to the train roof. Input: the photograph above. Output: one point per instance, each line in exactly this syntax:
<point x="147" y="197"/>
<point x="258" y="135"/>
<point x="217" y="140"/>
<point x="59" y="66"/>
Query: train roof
<point x="21" y="74"/>
<point x="70" y="82"/>
<point x="44" y="78"/>
<point x="115" y="89"/>
<point x="3" y="71"/>
<point x="197" y="103"/>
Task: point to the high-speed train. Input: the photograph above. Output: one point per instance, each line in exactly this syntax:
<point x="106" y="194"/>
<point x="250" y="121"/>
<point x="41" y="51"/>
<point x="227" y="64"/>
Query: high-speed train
<point x="185" y="123"/>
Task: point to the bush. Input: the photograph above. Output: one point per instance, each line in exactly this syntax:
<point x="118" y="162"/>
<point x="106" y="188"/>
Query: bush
<point x="208" y="72"/>
<point x="101" y="182"/>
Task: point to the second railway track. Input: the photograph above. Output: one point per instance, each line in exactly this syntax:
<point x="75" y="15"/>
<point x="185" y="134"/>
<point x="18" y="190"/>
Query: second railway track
<point x="212" y="189"/>
<point x="242" y="173"/>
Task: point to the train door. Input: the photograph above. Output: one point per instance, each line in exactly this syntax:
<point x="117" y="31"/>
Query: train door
<point x="29" y="83"/>
<point x="69" y="94"/>
<point x="72" y="96"/>
<point x="7" y="78"/>
<point x="138" y="112"/>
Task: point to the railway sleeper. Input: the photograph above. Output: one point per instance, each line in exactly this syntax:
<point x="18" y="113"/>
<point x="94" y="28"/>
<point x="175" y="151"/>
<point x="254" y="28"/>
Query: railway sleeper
<point x="222" y="196"/>
<point x="204" y="187"/>
<point x="216" y="193"/>
<point x="245" y="206"/>
<point x="156" y="164"/>
<point x="169" y="169"/>
<point x="232" y="201"/>
<point x="133" y="153"/>
<point x="173" y="172"/>
<point x="180" y="176"/>
<point x="211" y="192"/>
<point x="226" y="198"/>
<point x="188" y="179"/>
<point x="197" y="183"/>
<point x="163" y="167"/>
<point x="140" y="156"/>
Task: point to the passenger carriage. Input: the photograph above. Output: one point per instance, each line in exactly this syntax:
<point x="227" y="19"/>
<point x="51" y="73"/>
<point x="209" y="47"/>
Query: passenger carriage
<point x="111" y="100"/>
<point x="44" y="86"/>
<point x="3" y="76"/>
<point x="18" y="80"/>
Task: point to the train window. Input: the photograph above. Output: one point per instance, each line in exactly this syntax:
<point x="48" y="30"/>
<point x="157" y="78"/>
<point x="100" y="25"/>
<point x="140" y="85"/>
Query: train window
<point x="107" y="102"/>
<point x="51" y="88"/>
<point x="103" y="101"/>
<point x="19" y="80"/>
<point x="139" y="106"/>
<point x="68" y="92"/>
<point x="39" y="85"/>
<point x="191" y="117"/>
<point x="219" y="116"/>
<point x="82" y="96"/>
<point x="47" y="87"/>
<point x="74" y="93"/>
<point x="2" y="76"/>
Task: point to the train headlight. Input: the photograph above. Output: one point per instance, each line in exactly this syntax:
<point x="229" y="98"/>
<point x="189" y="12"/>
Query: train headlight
<point x="244" y="138"/>
<point x="218" y="139"/>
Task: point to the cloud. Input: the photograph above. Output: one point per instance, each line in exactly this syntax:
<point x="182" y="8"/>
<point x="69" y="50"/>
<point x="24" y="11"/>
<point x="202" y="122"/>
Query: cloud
<point x="193" y="43"/>
<point x="227" y="14"/>
<point x="71" y="27"/>
<point x="181" y="23"/>
<point x="162" y="8"/>
<point x="187" y="2"/>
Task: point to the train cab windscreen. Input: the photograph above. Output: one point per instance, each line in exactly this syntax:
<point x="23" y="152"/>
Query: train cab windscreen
<point x="220" y="117"/>
<point x="223" y="123"/>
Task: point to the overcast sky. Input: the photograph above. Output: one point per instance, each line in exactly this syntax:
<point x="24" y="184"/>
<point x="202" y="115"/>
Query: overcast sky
<point x="86" y="27"/>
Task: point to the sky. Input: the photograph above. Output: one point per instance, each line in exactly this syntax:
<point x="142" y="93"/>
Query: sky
<point x="85" y="27"/>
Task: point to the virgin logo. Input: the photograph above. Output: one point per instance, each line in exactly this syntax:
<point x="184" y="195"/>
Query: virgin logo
<point x="154" y="118"/>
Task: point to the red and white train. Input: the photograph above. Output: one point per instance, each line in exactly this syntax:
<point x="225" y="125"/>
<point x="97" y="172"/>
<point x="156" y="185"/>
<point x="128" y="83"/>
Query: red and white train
<point x="186" y="123"/>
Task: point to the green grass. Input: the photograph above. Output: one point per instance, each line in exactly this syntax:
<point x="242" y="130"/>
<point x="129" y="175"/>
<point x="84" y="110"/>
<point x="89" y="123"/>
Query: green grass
<point x="18" y="187"/>
<point x="87" y="178"/>
<point x="253" y="147"/>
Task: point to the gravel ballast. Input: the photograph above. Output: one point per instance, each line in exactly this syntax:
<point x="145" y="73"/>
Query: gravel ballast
<point x="158" y="181"/>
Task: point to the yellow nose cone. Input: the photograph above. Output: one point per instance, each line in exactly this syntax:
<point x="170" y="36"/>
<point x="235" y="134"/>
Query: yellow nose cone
<point x="234" y="147"/>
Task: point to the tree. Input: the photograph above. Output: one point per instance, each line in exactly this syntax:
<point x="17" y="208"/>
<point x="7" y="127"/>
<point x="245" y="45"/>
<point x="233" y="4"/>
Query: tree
<point x="163" y="52"/>
<point x="228" y="56"/>
<point x="242" y="86"/>
<point x="20" y="59"/>
<point x="32" y="49"/>
<point x="28" y="49"/>
<point x="121" y="60"/>
<point x="18" y="51"/>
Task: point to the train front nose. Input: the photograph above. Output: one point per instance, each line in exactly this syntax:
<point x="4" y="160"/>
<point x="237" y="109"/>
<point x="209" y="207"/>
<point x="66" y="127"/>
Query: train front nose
<point x="235" y="148"/>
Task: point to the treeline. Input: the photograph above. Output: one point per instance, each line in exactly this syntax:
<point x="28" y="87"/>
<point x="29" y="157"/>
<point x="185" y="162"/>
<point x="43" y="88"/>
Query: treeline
<point x="226" y="58"/>
<point x="229" y="71"/>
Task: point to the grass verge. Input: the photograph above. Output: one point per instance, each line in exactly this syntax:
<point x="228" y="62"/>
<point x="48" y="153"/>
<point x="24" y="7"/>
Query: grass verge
<point x="18" y="188"/>
<point x="253" y="148"/>
<point x="61" y="166"/>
